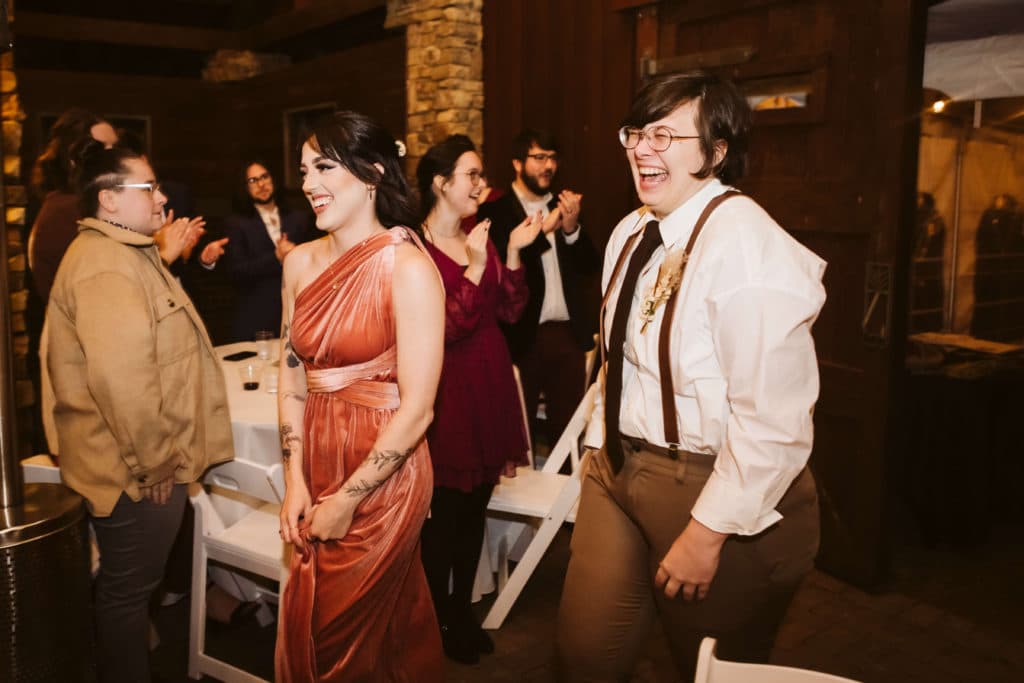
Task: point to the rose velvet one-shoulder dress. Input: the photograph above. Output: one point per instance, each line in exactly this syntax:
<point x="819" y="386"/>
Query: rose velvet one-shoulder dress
<point x="358" y="608"/>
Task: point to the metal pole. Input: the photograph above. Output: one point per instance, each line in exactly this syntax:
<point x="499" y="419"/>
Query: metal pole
<point x="11" y="486"/>
<point x="954" y="256"/>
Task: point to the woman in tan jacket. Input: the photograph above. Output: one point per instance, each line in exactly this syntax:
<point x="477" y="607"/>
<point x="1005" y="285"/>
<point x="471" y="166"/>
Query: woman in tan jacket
<point x="141" y="408"/>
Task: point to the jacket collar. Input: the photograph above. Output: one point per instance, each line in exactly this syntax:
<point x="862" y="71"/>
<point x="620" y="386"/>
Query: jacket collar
<point x="116" y="232"/>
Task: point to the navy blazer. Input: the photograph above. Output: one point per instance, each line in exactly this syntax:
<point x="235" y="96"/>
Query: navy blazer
<point x="255" y="271"/>
<point x="577" y="264"/>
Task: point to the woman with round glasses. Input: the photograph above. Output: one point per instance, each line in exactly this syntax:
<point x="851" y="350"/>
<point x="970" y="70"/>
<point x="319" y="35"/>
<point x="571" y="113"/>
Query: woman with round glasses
<point x="478" y="432"/>
<point x="698" y="509"/>
<point x="141" y="408"/>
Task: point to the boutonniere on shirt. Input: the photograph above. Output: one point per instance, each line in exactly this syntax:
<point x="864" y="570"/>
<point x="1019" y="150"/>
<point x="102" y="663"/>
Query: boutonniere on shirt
<point x="669" y="277"/>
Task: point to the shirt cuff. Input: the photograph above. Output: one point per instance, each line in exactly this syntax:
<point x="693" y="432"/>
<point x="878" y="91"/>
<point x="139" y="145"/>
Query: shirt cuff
<point x="207" y="267"/>
<point x="570" y="238"/>
<point x="726" y="508"/>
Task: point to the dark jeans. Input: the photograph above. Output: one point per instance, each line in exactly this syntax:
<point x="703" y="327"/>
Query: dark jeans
<point x="556" y="367"/>
<point x="134" y="542"/>
<point x="452" y="538"/>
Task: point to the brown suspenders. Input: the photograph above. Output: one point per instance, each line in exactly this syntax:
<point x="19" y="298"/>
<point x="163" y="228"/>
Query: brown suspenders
<point x="668" y="405"/>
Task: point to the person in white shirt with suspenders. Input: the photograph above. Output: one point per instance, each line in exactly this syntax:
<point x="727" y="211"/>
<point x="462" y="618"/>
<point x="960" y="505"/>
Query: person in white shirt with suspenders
<point x="698" y="510"/>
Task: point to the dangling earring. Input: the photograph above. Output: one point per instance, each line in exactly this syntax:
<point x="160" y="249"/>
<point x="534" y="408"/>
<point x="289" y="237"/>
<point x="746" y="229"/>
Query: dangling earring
<point x="369" y="191"/>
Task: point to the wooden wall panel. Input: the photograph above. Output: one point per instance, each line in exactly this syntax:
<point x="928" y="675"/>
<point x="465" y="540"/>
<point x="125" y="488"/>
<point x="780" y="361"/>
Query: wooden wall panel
<point x="202" y="132"/>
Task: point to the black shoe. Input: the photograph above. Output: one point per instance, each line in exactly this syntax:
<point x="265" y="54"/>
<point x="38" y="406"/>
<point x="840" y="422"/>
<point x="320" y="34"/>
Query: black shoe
<point x="458" y="647"/>
<point x="473" y="632"/>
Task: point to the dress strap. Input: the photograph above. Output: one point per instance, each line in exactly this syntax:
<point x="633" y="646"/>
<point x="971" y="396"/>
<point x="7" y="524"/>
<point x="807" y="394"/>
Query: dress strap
<point x="354" y="383"/>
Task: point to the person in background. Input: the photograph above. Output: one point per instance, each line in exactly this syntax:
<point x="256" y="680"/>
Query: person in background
<point x="362" y="347"/>
<point x="550" y="340"/>
<point x="477" y="434"/>
<point x="262" y="232"/>
<point x="140" y="403"/>
<point x="699" y="510"/>
<point x="56" y="225"/>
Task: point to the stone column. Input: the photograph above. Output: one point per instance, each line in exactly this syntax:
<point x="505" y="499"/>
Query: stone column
<point x="444" y="70"/>
<point x="12" y="116"/>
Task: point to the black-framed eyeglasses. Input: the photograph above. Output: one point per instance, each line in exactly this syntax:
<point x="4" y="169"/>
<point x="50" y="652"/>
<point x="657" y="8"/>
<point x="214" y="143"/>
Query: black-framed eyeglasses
<point x="544" y="156"/>
<point x="262" y="178"/>
<point x="474" y="176"/>
<point x="152" y="188"/>
<point x="658" y="138"/>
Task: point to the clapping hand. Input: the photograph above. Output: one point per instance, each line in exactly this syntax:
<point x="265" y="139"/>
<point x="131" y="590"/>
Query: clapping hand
<point x="476" y="244"/>
<point x="284" y="246"/>
<point x="526" y="232"/>
<point x="569" y="206"/>
<point x="178" y="236"/>
<point x="213" y="251"/>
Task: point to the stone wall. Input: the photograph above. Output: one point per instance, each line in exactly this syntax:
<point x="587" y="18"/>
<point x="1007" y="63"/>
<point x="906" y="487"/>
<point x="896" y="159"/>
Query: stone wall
<point x="444" y="70"/>
<point x="15" y="201"/>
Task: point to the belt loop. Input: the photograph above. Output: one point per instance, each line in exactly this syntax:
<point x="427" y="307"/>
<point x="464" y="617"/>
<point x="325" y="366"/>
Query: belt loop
<point x="673" y="451"/>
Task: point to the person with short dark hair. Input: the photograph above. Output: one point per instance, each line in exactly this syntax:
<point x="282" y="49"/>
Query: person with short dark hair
<point x="261" y="233"/>
<point x="362" y="347"/>
<point x="477" y="434"/>
<point x="141" y="407"/>
<point x="550" y="340"/>
<point x="698" y="510"/>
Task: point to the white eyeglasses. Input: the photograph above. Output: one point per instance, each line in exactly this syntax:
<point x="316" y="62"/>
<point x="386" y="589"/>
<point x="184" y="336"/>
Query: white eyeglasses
<point x="152" y="188"/>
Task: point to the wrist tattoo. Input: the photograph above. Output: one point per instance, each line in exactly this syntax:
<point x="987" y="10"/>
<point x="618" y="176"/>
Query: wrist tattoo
<point x="384" y="458"/>
<point x="289" y="440"/>
<point x="357" y="489"/>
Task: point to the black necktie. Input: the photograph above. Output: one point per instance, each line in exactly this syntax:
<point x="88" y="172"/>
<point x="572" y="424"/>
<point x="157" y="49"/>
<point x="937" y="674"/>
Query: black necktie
<point x="613" y="378"/>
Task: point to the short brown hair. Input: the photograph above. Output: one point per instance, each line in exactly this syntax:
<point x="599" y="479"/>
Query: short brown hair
<point x="723" y="115"/>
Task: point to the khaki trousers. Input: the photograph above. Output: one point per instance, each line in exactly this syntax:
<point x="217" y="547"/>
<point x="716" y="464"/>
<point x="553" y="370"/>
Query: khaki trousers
<point x="625" y="525"/>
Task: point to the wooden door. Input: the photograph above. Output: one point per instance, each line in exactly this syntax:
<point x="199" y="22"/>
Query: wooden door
<point x="838" y="173"/>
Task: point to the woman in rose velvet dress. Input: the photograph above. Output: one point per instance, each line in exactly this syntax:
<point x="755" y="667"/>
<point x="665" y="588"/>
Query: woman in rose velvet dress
<point x="478" y="431"/>
<point x="362" y="347"/>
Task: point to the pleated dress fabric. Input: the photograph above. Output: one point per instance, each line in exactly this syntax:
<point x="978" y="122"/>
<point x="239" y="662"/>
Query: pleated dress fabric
<point x="358" y="608"/>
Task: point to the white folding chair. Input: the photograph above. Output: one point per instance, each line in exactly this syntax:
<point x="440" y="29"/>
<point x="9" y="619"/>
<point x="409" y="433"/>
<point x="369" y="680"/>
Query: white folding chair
<point x="40" y="469"/>
<point x="710" y="669"/>
<point x="251" y="544"/>
<point x="546" y="499"/>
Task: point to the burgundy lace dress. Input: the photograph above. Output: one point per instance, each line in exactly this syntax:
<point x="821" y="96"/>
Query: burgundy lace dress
<point x="478" y="432"/>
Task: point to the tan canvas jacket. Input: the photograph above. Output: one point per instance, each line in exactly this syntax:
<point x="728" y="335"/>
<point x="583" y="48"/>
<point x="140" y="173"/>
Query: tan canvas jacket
<point x="138" y="390"/>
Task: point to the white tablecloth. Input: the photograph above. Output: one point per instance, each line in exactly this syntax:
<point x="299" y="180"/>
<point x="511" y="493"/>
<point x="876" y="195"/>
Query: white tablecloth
<point x="253" y="413"/>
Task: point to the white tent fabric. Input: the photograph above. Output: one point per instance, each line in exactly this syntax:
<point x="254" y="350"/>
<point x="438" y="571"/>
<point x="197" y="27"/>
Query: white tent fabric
<point x="979" y="69"/>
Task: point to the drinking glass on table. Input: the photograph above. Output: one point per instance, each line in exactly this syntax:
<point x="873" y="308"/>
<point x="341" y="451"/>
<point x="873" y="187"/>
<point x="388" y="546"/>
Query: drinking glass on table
<point x="263" y="344"/>
<point x="250" y="372"/>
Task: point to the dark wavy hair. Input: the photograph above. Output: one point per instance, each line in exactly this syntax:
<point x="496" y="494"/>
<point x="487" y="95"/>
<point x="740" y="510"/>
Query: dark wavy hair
<point x="98" y="169"/>
<point x="358" y="142"/>
<point x="439" y="160"/>
<point x="54" y="169"/>
<point x="241" y="199"/>
<point x="723" y="115"/>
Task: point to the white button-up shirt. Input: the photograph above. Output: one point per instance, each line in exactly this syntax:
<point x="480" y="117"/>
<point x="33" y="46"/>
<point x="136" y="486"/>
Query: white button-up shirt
<point x="744" y="370"/>
<point x="553" y="306"/>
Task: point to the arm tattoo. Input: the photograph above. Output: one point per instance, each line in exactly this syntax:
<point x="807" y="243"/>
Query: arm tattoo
<point x="295" y="395"/>
<point x="363" y="487"/>
<point x="289" y="439"/>
<point x="291" y="358"/>
<point x="384" y="458"/>
<point x="381" y="459"/>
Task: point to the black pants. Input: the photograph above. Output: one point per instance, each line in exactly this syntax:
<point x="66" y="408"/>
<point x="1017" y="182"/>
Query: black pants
<point x="452" y="537"/>
<point x="134" y="543"/>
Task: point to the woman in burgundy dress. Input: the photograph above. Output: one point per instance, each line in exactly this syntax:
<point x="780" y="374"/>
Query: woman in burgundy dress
<point x="362" y="350"/>
<point x="478" y="431"/>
